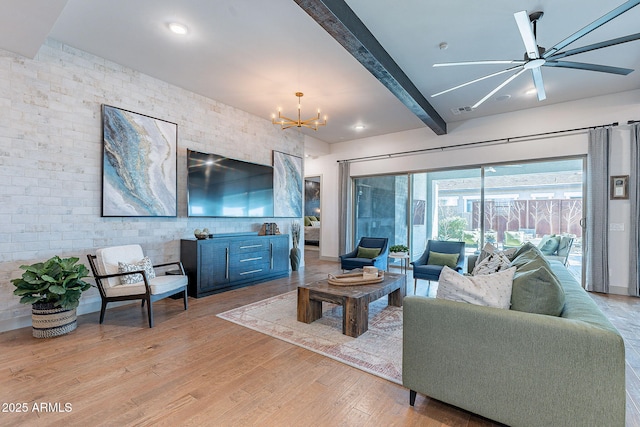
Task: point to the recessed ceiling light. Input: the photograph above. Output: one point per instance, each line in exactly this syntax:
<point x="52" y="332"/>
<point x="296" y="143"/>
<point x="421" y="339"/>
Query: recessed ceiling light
<point x="531" y="92"/>
<point x="503" y="97"/>
<point x="358" y="127"/>
<point x="178" y="28"/>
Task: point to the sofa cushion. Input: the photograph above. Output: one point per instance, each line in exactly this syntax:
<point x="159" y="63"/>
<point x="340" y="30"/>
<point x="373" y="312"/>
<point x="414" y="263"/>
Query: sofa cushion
<point x="367" y="252"/>
<point x="492" y="264"/>
<point x="522" y="249"/>
<point x="307" y="221"/>
<point x="537" y="291"/>
<point x="530" y="260"/>
<point x="439" y="258"/>
<point x="534" y="264"/>
<point x="491" y="290"/>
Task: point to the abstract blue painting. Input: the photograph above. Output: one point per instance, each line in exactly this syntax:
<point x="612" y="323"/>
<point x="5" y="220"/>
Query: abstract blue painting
<point x="139" y="164"/>
<point x="287" y="185"/>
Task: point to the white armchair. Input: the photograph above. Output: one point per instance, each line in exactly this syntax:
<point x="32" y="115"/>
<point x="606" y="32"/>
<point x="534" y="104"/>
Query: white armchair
<point x="123" y="273"/>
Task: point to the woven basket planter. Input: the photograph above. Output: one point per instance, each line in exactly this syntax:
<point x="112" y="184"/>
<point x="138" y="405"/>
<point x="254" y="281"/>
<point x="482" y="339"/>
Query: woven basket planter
<point x="50" y="321"/>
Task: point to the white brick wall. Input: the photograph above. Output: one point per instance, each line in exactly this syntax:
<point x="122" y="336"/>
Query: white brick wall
<point x="51" y="152"/>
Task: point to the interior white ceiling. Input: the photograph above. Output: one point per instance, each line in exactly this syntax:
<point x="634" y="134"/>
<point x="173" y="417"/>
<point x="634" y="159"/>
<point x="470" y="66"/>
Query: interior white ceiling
<point x="254" y="55"/>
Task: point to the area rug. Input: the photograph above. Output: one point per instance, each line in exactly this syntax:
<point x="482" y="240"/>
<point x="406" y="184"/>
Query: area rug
<point x="377" y="351"/>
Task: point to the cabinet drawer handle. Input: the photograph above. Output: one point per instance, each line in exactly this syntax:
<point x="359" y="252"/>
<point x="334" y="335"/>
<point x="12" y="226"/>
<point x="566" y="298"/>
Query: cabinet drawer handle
<point x="250" y="259"/>
<point x="250" y="272"/>
<point x="251" y="246"/>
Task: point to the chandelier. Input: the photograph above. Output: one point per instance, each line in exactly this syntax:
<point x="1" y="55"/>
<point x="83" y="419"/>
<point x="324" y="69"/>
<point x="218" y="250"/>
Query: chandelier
<point x="286" y="123"/>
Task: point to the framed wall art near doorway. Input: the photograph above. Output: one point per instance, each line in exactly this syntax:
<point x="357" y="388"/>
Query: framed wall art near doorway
<point x="287" y="185"/>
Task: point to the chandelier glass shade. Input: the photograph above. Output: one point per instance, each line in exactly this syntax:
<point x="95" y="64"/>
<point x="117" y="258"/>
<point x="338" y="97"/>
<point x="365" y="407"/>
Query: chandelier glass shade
<point x="286" y="123"/>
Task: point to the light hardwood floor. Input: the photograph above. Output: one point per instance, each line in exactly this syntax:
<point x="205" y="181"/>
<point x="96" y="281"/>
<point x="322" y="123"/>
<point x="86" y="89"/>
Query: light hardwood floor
<point x="195" y="369"/>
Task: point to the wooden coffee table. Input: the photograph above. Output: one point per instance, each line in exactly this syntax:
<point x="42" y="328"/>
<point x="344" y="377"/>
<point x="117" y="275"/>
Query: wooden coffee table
<point x="353" y="299"/>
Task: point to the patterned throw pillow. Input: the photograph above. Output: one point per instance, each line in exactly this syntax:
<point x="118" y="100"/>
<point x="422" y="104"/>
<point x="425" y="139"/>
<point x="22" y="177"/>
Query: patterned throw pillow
<point x="495" y="262"/>
<point x="130" y="279"/>
<point x="489" y="249"/>
<point x="492" y="290"/>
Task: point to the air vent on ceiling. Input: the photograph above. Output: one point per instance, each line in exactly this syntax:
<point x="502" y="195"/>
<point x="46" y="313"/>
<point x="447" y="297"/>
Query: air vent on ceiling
<point x="460" y="110"/>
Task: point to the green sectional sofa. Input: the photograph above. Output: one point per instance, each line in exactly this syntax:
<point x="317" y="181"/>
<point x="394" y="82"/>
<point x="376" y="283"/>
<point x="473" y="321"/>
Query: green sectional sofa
<point x="515" y="367"/>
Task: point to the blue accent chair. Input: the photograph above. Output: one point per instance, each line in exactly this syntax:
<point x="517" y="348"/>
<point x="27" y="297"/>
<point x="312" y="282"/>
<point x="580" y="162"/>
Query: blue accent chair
<point x="422" y="269"/>
<point x="350" y="261"/>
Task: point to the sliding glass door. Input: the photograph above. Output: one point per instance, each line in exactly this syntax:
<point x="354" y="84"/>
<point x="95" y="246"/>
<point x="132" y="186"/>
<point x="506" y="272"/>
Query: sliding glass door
<point x="525" y="202"/>
<point x="506" y="205"/>
<point x="443" y="208"/>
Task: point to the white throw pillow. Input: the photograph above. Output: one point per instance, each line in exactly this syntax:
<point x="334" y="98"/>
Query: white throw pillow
<point x="129" y="279"/>
<point x="492" y="264"/>
<point x="315" y="223"/>
<point x="492" y="290"/>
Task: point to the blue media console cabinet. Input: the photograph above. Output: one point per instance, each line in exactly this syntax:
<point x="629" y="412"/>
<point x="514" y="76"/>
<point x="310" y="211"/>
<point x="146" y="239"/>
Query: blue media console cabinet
<point x="230" y="261"/>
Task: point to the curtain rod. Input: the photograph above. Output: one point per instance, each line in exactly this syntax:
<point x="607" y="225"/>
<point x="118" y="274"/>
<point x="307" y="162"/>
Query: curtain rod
<point x="471" y="144"/>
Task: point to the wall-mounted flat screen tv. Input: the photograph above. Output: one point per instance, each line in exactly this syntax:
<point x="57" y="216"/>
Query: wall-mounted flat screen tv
<point x="219" y="186"/>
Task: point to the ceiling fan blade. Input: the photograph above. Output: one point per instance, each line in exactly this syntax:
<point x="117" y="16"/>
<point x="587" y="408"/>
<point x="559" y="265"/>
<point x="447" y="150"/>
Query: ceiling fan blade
<point x="595" y="24"/>
<point x="503" y="84"/>
<point x="589" y="67"/>
<point x="537" y="81"/>
<point x="595" y="46"/>
<point x="526" y="32"/>
<point x="475" y="81"/>
<point x="489" y="62"/>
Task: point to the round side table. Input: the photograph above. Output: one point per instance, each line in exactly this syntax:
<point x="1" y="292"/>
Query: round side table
<point x="404" y="260"/>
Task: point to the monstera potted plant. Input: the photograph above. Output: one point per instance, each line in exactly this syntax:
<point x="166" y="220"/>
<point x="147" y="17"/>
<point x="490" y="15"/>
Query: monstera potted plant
<point x="53" y="288"/>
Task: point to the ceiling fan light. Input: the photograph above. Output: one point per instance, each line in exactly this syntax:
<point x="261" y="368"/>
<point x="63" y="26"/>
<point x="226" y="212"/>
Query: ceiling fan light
<point x="178" y="28"/>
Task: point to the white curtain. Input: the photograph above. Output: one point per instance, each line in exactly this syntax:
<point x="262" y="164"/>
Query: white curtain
<point x="634" y="199"/>
<point x="597" y="244"/>
<point x="344" y="207"/>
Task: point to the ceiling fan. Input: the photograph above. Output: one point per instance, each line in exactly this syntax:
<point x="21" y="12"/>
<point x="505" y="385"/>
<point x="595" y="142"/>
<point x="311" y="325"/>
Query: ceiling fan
<point x="537" y="56"/>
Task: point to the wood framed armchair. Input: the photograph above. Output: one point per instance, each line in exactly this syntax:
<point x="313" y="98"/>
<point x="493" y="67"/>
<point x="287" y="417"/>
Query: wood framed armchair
<point x="123" y="273"/>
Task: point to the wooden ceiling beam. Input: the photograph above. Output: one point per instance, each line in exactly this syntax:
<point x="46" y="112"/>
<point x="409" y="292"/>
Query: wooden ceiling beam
<point x="337" y="18"/>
